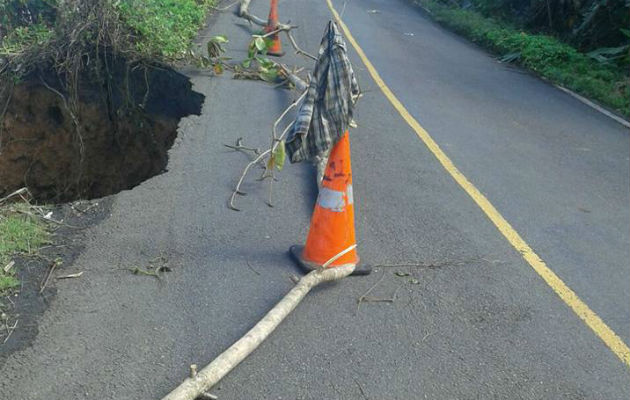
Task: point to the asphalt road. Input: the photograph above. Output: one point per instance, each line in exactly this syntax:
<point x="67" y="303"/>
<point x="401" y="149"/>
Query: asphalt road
<point x="482" y="326"/>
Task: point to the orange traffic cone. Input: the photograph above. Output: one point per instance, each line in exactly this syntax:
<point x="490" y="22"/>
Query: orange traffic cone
<point x="272" y="25"/>
<point x="332" y="223"/>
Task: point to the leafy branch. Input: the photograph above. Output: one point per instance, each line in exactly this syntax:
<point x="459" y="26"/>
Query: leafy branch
<point x="276" y="158"/>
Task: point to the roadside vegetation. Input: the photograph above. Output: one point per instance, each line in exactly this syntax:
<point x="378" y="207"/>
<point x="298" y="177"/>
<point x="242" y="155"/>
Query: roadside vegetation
<point x="584" y="48"/>
<point x="34" y="33"/>
<point x="166" y="28"/>
<point x="21" y="234"/>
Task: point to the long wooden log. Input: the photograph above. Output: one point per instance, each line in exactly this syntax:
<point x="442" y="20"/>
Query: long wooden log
<point x="196" y="385"/>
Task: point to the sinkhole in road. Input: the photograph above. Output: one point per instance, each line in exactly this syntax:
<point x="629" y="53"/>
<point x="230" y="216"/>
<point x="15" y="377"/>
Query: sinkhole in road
<point x="113" y="138"/>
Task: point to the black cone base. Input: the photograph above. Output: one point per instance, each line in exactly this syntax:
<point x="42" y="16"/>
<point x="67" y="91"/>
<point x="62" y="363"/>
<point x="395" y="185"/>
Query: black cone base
<point x="296" y="255"/>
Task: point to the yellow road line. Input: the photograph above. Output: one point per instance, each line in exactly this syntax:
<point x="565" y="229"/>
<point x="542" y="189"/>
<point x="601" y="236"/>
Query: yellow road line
<point x="607" y="335"/>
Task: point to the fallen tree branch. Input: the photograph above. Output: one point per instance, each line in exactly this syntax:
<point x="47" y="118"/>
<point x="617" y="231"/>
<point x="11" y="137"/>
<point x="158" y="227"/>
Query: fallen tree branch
<point x="274" y="144"/>
<point x="274" y="127"/>
<point x="287" y="29"/>
<point x="243" y="12"/>
<point x="239" y="146"/>
<point x="299" y="84"/>
<point x="192" y="387"/>
<point x="237" y="190"/>
<point x="297" y="48"/>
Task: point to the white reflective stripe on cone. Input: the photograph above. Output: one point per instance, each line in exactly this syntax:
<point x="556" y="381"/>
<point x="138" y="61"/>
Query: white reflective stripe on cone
<point x="333" y="200"/>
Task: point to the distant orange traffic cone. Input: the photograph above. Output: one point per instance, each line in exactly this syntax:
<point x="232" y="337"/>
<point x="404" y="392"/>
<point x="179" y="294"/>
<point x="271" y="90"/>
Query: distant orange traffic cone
<point x="272" y="24"/>
<point x="332" y="223"/>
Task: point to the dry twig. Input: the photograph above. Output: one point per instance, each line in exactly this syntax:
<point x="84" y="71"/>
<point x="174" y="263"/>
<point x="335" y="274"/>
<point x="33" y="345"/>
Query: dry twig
<point x="8" y="267"/>
<point x="70" y="276"/>
<point x="18" y="192"/>
<point x="239" y="146"/>
<point x="252" y="268"/>
<point x="368" y="299"/>
<point x="361" y="390"/>
<point x="51" y="269"/>
<point x="226" y="7"/>
<point x="424" y="265"/>
<point x="297" y="49"/>
<point x="362" y="297"/>
<point x="9" y="330"/>
<point x="237" y="189"/>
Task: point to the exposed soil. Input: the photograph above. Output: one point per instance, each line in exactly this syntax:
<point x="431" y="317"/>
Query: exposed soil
<point x="123" y="137"/>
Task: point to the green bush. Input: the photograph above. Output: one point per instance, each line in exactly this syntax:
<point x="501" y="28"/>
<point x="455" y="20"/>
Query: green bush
<point x="586" y="24"/>
<point x="165" y="27"/>
<point x="25" y="37"/>
<point x="552" y="59"/>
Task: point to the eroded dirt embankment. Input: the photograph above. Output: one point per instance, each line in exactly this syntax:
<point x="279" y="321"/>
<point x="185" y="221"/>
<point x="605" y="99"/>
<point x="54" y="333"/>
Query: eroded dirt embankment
<point x="117" y="137"/>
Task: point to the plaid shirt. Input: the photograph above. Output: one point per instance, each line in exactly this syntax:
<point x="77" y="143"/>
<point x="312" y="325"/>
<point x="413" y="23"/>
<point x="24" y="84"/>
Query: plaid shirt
<point x="326" y="111"/>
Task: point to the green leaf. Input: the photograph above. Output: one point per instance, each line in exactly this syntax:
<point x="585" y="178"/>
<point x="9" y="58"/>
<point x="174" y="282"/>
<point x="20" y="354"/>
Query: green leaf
<point x="268" y="75"/>
<point x="220" y="39"/>
<point x="251" y="51"/>
<point x="265" y="62"/>
<point x="260" y="44"/>
<point x="247" y="63"/>
<point x="279" y="155"/>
